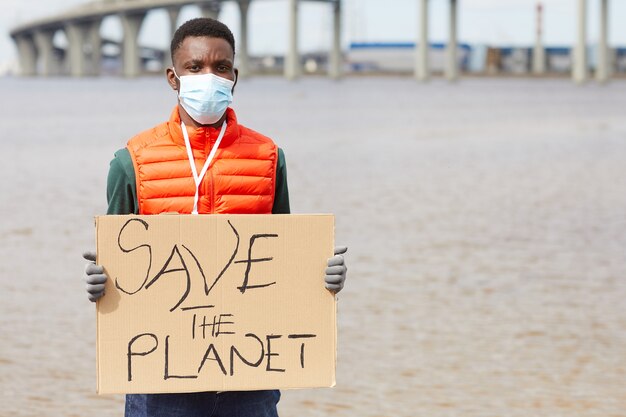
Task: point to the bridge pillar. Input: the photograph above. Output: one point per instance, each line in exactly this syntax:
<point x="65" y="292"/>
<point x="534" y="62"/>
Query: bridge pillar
<point x="95" y="47"/>
<point x="422" y="70"/>
<point x="244" y="60"/>
<point x="172" y="13"/>
<point x="27" y="52"/>
<point x="211" y="9"/>
<point x="539" y="52"/>
<point x="131" y="22"/>
<point x="43" y="40"/>
<point x="602" y="70"/>
<point x="579" y="64"/>
<point x="335" y="61"/>
<point x="243" y="56"/>
<point x="452" y="71"/>
<point x="292" y="58"/>
<point x="77" y="35"/>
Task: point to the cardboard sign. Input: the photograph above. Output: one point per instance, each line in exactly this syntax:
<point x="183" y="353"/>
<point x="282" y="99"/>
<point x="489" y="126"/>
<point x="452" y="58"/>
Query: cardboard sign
<point x="215" y="303"/>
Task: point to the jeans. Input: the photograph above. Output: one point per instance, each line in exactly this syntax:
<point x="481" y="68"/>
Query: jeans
<point x="204" y="404"/>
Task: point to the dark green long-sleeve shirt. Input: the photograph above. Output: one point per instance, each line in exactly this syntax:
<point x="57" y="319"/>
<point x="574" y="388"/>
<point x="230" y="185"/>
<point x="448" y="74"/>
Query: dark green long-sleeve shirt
<point x="122" y="188"/>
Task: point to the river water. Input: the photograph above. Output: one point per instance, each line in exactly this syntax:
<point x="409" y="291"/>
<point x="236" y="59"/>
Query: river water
<point x="486" y="225"/>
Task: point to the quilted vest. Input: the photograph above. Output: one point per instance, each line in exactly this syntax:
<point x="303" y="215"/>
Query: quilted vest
<point x="240" y="180"/>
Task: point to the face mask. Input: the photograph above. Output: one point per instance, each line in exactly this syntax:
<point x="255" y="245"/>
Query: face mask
<point x="205" y="97"/>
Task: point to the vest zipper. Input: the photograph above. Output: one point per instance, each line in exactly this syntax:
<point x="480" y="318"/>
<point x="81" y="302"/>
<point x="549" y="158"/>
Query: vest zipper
<point x="210" y="175"/>
<point x="212" y="198"/>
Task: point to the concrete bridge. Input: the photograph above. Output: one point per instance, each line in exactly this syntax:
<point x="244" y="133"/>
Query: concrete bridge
<point x="37" y="55"/>
<point x="82" y="27"/>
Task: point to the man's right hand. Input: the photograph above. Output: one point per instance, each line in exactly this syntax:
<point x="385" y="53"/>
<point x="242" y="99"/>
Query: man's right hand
<point x="94" y="277"/>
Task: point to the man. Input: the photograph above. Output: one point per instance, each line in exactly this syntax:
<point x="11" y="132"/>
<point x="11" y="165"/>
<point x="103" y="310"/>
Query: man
<point x="201" y="161"/>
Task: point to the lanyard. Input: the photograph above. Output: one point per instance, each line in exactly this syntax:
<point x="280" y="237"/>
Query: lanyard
<point x="198" y="178"/>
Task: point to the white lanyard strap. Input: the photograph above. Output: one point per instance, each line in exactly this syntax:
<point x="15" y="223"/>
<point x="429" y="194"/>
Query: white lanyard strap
<point x="198" y="178"/>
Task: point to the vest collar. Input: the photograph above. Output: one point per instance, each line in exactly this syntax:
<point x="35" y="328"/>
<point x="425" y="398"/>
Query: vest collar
<point x="203" y="138"/>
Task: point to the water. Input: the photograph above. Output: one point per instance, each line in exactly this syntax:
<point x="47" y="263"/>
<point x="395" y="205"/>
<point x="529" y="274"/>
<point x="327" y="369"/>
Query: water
<point x="485" y="221"/>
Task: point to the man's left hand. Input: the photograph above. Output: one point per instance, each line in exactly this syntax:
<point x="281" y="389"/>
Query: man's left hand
<point x="336" y="270"/>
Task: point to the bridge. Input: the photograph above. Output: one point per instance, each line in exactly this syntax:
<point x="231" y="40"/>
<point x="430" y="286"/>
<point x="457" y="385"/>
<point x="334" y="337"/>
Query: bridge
<point x="36" y="51"/>
<point x="38" y="56"/>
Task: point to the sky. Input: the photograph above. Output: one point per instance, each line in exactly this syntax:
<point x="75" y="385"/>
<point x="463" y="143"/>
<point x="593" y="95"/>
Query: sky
<point x="491" y="22"/>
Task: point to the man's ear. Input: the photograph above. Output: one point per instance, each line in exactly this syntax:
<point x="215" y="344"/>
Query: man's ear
<point x="236" y="79"/>
<point x="171" y="78"/>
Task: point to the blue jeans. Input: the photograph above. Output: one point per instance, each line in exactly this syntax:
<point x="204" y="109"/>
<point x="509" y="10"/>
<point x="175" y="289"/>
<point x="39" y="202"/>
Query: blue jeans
<point x="204" y="404"/>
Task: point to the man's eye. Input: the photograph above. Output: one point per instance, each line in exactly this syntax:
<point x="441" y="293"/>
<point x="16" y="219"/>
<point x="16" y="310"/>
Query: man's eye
<point x="223" y="68"/>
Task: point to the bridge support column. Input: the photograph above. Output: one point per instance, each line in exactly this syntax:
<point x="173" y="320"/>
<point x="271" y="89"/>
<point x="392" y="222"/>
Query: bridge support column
<point x="335" y="62"/>
<point x="211" y="9"/>
<point x="49" y="64"/>
<point x="77" y="35"/>
<point x="131" y="22"/>
<point x="539" y="53"/>
<point x="422" y="70"/>
<point x="579" y="64"/>
<point x="292" y="58"/>
<point x="172" y="13"/>
<point x="243" y="56"/>
<point x="95" y="47"/>
<point x="27" y="52"/>
<point x="452" y="71"/>
<point x="602" y="70"/>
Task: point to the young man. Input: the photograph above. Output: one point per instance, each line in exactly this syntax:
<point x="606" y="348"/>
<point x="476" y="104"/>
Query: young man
<point x="234" y="170"/>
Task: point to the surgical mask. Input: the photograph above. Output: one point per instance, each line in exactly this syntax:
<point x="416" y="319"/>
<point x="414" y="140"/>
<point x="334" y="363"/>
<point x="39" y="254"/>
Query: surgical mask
<point x="205" y="97"/>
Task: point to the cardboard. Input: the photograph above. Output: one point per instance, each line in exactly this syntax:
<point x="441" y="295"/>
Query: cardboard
<point x="215" y="303"/>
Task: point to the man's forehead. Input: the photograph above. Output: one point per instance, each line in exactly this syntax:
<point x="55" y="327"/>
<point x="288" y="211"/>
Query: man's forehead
<point x="206" y="44"/>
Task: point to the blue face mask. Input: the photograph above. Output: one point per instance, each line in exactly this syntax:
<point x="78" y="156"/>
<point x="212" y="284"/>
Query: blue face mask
<point x="205" y="97"/>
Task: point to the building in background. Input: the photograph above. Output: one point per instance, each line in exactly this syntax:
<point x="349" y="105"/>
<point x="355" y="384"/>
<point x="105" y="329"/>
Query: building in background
<point x="476" y="59"/>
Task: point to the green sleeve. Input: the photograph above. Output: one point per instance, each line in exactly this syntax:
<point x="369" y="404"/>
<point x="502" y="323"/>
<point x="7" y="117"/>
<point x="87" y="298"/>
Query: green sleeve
<point x="121" y="188"/>
<point x="281" y="197"/>
<point x="122" y="194"/>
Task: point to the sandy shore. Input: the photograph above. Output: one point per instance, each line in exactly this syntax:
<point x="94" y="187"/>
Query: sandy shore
<point x="486" y="223"/>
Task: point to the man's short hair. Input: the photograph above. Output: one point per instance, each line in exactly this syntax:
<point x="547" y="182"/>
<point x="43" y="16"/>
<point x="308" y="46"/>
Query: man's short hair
<point x="201" y="26"/>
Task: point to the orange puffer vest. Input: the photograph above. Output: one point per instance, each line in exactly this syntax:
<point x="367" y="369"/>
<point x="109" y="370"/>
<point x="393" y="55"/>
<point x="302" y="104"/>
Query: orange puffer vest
<point x="240" y="179"/>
